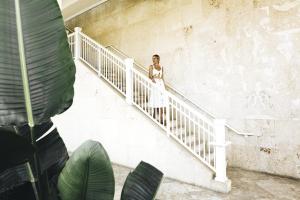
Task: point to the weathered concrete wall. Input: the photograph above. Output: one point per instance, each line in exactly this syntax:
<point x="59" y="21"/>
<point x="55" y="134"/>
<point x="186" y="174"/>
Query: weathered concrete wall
<point x="239" y="59"/>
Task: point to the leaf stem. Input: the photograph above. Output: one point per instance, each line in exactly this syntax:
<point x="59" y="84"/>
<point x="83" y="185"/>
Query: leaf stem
<point x="26" y="90"/>
<point x="23" y="66"/>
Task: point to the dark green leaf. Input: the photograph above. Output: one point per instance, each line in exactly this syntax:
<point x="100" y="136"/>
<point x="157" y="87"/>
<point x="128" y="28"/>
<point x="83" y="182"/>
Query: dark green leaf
<point x="142" y="183"/>
<point x="88" y="174"/>
<point x="14" y="150"/>
<point x="50" y="67"/>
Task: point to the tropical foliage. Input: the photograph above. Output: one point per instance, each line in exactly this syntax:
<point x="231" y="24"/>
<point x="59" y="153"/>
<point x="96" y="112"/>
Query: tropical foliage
<point x="88" y="174"/>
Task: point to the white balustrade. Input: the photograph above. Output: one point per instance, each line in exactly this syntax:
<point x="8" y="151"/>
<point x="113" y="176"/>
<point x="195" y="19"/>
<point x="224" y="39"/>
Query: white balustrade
<point x="203" y="136"/>
<point x="220" y="150"/>
<point x="77" y="45"/>
<point x="71" y="39"/>
<point x="129" y="92"/>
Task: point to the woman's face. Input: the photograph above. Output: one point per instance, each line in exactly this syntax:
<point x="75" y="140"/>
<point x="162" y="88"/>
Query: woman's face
<point x="155" y="60"/>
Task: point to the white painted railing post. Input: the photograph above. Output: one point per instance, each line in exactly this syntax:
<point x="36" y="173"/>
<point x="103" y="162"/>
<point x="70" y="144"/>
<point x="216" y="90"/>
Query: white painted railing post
<point x="221" y="165"/>
<point x="77" y="43"/>
<point x="129" y="81"/>
<point x="167" y="113"/>
<point x="99" y="61"/>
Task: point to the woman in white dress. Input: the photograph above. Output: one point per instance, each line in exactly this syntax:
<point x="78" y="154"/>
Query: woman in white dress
<point x="157" y="99"/>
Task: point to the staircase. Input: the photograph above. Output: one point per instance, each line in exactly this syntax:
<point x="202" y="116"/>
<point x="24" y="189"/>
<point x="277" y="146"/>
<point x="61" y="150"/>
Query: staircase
<point x="202" y="136"/>
<point x="183" y="133"/>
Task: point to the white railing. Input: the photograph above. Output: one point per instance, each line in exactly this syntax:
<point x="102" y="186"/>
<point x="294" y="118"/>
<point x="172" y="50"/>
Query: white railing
<point x="188" y="127"/>
<point x="140" y="67"/>
<point x="71" y="39"/>
<point x="199" y="134"/>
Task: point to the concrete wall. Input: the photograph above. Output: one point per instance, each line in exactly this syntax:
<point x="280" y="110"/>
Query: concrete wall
<point x="239" y="59"/>
<point x="101" y="114"/>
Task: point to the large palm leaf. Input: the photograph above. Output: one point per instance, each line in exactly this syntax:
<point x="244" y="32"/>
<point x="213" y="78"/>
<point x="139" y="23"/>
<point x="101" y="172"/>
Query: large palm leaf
<point x="37" y="71"/>
<point x="88" y="174"/>
<point x="142" y="183"/>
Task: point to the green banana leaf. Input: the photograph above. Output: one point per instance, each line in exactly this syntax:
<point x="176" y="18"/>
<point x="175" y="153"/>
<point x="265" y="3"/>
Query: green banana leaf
<point x="14" y="150"/>
<point x="37" y="71"/>
<point x="87" y="175"/>
<point x="142" y="183"/>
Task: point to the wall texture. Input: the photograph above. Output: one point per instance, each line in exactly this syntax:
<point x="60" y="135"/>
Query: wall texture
<point x="239" y="59"/>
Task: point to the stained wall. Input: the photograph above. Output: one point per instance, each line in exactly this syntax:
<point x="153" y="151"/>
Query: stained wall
<point x="239" y="59"/>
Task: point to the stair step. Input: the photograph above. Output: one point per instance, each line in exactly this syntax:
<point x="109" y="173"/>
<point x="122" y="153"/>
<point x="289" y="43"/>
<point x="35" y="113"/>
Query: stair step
<point x="201" y="153"/>
<point x="183" y="130"/>
<point x="199" y="150"/>
<point x="140" y="101"/>
<point x="112" y="72"/>
<point x="188" y="139"/>
<point x="140" y="94"/>
<point x="113" y="76"/>
<point x="211" y="161"/>
<point x="144" y="106"/>
<point x="173" y="124"/>
<point x="140" y="97"/>
<point x="178" y="131"/>
<point x="117" y="82"/>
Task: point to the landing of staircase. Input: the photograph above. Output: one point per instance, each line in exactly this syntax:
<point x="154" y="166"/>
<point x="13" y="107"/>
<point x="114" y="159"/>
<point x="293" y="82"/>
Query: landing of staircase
<point x="246" y="185"/>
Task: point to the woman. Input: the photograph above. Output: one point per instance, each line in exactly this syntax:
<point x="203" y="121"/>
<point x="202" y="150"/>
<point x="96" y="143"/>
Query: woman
<point x="157" y="99"/>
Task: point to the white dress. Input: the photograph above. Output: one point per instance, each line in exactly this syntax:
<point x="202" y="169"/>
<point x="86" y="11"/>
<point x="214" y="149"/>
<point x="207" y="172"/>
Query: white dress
<point x="157" y="97"/>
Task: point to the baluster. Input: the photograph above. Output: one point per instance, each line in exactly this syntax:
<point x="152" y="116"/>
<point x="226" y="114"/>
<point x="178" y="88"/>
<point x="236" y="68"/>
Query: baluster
<point x="199" y="136"/>
<point x="77" y="44"/>
<point x="167" y="116"/>
<point x="204" y="142"/>
<point x="129" y="90"/>
<point x="219" y="127"/>
<point x="194" y="133"/>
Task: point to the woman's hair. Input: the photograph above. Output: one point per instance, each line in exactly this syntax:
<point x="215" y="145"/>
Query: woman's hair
<point x="156" y="56"/>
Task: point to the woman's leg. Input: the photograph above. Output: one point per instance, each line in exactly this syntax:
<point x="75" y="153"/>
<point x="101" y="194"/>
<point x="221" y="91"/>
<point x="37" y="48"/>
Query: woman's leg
<point x="158" y="114"/>
<point x="153" y="112"/>
<point x="162" y="120"/>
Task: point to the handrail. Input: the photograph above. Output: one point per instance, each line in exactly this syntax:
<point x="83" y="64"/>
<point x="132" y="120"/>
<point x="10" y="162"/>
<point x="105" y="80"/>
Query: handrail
<point x="67" y="28"/>
<point x="167" y="84"/>
<point x="211" y="138"/>
<point x="102" y="47"/>
<point x="180" y="94"/>
<point x="201" y="135"/>
<point x="190" y="109"/>
<point x="71" y="35"/>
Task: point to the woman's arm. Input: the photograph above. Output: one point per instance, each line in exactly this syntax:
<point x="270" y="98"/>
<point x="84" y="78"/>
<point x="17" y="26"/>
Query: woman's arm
<point x="151" y="73"/>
